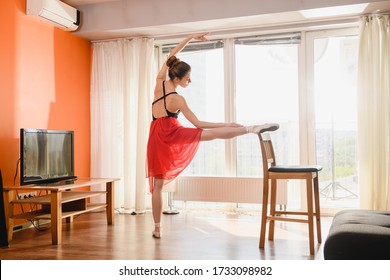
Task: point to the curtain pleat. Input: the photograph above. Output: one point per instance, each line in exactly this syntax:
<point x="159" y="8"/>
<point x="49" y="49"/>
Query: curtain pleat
<point x="374" y="112"/>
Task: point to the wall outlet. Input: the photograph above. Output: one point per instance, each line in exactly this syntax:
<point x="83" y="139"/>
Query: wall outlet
<point x="26" y="195"/>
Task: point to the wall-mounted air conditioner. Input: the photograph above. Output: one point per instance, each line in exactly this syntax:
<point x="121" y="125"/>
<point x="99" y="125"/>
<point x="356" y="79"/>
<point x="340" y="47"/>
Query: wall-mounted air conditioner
<point x="55" y="11"/>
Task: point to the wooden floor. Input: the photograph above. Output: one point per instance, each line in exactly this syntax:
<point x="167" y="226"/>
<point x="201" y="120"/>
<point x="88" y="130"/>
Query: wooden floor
<point x="189" y="235"/>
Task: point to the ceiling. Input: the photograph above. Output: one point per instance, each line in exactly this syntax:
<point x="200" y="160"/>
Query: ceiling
<point x="116" y="27"/>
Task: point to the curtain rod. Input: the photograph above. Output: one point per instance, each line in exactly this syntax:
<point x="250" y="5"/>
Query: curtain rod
<point x="377" y="14"/>
<point x="369" y="17"/>
<point x="210" y="42"/>
<point x="119" y="39"/>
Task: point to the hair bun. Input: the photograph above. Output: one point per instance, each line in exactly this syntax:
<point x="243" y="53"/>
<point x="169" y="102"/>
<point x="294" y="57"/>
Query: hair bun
<point x="172" y="61"/>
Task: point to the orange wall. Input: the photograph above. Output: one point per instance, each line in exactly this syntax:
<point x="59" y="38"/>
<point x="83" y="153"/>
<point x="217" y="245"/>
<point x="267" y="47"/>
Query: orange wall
<point x="44" y="83"/>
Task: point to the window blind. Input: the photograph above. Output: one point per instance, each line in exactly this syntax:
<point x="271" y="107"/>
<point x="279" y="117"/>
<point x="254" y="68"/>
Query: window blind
<point x="272" y="39"/>
<point x="195" y="46"/>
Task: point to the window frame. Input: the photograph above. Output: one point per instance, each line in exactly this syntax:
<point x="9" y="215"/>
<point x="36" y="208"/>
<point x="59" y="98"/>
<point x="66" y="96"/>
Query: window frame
<point x="308" y="131"/>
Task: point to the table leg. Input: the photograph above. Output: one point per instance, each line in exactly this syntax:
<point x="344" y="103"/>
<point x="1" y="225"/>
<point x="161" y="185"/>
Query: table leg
<point x="110" y="202"/>
<point x="9" y="220"/>
<point x="56" y="220"/>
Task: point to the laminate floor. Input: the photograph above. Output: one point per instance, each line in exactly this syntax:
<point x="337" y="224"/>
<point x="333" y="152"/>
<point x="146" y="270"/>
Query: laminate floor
<point x="189" y="235"/>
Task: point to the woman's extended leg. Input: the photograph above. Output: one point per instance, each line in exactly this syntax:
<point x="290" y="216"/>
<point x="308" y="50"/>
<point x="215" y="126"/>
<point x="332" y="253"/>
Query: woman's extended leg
<point x="157" y="206"/>
<point x="231" y="132"/>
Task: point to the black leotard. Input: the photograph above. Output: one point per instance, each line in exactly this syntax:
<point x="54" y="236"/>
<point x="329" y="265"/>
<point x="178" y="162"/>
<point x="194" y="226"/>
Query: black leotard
<point x="169" y="114"/>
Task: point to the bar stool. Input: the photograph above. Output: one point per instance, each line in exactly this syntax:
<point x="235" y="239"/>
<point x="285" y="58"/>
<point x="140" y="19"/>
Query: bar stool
<point x="273" y="172"/>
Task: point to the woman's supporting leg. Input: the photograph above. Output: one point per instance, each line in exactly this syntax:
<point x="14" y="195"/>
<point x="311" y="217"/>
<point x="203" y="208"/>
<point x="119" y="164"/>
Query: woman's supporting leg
<point x="157" y="205"/>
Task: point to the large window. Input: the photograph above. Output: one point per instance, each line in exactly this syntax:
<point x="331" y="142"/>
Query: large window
<point x="205" y="97"/>
<point x="267" y="91"/>
<point x="305" y="81"/>
<point x="335" y="74"/>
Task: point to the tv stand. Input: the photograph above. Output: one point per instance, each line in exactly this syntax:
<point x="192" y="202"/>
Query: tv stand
<point x="62" y="201"/>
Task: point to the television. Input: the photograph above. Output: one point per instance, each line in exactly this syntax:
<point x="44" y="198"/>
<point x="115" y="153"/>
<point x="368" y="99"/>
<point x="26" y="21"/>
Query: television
<point x="46" y="156"/>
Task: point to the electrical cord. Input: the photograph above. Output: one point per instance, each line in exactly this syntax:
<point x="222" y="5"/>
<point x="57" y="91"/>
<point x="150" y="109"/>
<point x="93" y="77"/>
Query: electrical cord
<point x="16" y="171"/>
<point x="16" y="175"/>
<point x="32" y="206"/>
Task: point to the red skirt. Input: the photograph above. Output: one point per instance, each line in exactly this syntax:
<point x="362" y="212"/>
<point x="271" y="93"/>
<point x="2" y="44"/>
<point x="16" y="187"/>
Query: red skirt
<point x="171" y="148"/>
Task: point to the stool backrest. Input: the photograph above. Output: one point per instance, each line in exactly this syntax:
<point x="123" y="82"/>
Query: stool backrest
<point x="267" y="151"/>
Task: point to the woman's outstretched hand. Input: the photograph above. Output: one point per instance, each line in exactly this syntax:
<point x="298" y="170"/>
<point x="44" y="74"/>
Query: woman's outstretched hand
<point x="201" y="36"/>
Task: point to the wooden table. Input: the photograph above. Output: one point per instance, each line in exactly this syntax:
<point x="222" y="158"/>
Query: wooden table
<point x="60" y="201"/>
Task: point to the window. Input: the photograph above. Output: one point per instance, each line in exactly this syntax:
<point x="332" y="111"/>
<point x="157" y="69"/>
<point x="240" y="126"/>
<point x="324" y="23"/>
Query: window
<point x="205" y="97"/>
<point x="335" y="94"/>
<point x="262" y="97"/>
<point x="308" y="87"/>
<point x="267" y="91"/>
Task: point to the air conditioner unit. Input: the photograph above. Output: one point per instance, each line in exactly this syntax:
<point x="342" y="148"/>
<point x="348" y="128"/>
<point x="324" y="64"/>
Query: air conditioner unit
<point x="55" y="11"/>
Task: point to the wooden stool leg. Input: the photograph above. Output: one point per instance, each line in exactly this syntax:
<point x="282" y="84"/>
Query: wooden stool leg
<point x="309" y="187"/>
<point x="318" y="208"/>
<point x="272" y="210"/>
<point x="264" y="213"/>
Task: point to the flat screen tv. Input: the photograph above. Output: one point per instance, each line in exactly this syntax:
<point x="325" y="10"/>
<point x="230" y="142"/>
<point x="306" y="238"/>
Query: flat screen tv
<point x="46" y="156"/>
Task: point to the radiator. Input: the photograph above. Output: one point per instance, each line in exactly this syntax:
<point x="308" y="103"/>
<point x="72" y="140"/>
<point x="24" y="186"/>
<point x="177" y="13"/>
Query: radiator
<point x="224" y="189"/>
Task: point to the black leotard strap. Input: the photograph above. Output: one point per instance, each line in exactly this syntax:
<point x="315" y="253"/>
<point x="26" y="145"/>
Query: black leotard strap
<point x="162" y="97"/>
<point x="169" y="114"/>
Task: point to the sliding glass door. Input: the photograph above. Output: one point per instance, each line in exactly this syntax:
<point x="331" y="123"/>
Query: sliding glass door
<point x="334" y="74"/>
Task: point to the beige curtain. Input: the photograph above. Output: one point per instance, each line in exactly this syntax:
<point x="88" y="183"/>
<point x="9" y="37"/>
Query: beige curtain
<point x="122" y="78"/>
<point x="374" y="112"/>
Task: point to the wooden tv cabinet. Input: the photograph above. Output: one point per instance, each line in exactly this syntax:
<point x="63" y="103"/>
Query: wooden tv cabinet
<point x="61" y="200"/>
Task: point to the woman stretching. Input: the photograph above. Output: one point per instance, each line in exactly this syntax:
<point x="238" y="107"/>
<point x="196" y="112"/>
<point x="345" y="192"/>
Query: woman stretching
<point x="171" y="147"/>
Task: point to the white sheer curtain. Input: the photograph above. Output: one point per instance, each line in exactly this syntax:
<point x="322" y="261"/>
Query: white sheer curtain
<point x="122" y="76"/>
<point x="374" y="112"/>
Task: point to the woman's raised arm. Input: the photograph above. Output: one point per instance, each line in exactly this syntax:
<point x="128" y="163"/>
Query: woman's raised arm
<point x="201" y="37"/>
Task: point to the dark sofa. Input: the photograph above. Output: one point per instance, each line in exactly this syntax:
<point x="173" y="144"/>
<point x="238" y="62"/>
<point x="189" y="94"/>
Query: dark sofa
<point x="359" y="235"/>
